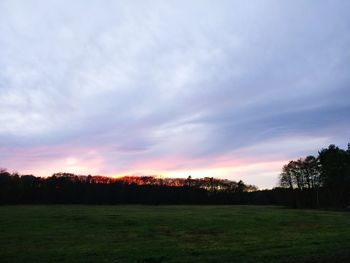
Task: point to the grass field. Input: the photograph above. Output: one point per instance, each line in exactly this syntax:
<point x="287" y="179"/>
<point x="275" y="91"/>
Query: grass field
<point x="72" y="233"/>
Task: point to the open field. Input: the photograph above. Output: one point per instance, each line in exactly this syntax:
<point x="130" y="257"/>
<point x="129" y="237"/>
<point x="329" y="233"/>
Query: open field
<point x="73" y="233"/>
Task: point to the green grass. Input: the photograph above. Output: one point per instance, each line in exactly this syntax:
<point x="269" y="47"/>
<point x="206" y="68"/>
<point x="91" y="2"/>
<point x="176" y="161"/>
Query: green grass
<point x="74" y="233"/>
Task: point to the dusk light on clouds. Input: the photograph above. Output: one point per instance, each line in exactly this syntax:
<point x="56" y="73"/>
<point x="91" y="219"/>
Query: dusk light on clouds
<point x="229" y="89"/>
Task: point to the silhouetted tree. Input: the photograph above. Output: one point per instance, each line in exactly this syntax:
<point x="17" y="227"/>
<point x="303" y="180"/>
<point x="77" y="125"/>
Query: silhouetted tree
<point x="335" y="175"/>
<point x="325" y="177"/>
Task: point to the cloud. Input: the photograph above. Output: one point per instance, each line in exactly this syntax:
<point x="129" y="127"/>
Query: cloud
<point x="176" y="85"/>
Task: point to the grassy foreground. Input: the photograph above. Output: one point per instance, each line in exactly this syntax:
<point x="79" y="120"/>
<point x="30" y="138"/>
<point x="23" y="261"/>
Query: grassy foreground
<point x="72" y="233"/>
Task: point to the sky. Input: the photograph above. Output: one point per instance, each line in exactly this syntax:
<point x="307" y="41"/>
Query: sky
<point x="229" y="89"/>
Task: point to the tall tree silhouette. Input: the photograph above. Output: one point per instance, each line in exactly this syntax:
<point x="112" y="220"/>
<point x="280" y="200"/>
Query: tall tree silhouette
<point x="326" y="176"/>
<point x="335" y="164"/>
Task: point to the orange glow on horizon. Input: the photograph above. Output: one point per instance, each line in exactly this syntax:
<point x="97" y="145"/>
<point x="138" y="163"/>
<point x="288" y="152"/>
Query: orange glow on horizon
<point x="247" y="172"/>
<point x="82" y="161"/>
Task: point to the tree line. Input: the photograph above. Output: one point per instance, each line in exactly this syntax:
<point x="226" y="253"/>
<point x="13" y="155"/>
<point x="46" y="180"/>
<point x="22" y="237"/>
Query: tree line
<point x="63" y="188"/>
<point x="318" y="181"/>
<point x="313" y="181"/>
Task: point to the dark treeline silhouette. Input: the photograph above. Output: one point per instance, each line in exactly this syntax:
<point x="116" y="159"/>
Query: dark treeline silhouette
<point x="322" y="181"/>
<point x="64" y="188"/>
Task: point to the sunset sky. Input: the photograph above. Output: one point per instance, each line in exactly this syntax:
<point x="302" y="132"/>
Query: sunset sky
<point x="230" y="89"/>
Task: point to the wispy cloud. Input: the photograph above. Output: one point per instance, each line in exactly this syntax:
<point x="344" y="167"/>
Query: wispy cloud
<point x="115" y="87"/>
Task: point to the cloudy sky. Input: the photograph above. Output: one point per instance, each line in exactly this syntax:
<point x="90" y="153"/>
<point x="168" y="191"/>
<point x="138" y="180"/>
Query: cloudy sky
<point x="230" y="89"/>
